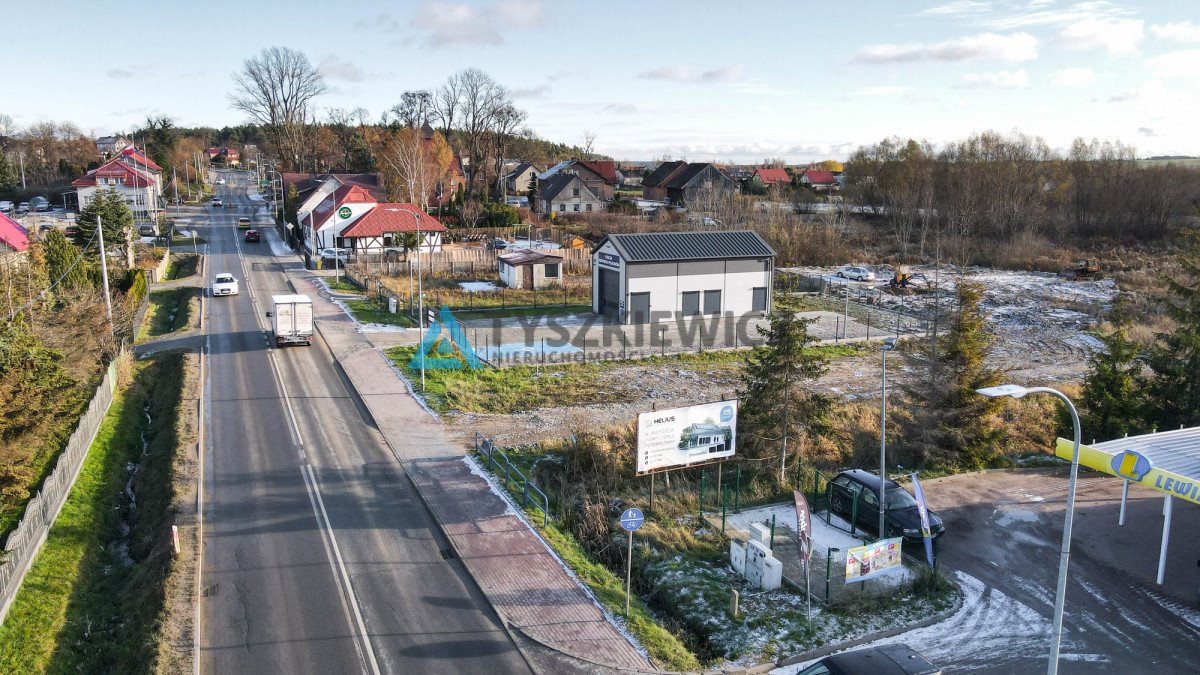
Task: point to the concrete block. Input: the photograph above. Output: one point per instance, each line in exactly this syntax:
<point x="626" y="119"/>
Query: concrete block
<point x="760" y="533"/>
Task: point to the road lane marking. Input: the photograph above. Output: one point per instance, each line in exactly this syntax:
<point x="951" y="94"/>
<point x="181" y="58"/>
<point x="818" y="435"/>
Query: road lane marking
<point x="204" y="391"/>
<point x="314" y="492"/>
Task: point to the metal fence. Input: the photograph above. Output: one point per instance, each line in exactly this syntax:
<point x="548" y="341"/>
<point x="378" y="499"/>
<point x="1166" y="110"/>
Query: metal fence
<point x="500" y="465"/>
<point x="23" y="544"/>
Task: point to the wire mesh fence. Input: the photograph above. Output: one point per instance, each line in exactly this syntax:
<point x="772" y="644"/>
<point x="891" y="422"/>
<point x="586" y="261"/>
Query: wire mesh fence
<point x="23" y="543"/>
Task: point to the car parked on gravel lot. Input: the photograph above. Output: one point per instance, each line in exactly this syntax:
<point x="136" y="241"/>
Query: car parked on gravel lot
<point x="893" y="659"/>
<point x="23" y="207"/>
<point x="252" y="235"/>
<point x="6" y="206"/>
<point x="901" y="518"/>
<point x="224" y="284"/>
<point x="147" y="231"/>
<point x="856" y="273"/>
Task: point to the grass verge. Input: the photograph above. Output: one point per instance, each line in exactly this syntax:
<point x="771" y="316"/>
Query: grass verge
<point x="92" y="599"/>
<point x="551" y="310"/>
<point x="368" y="311"/>
<point x="518" y="388"/>
<point x="170" y="310"/>
<point x="182" y="265"/>
<point x="342" y="284"/>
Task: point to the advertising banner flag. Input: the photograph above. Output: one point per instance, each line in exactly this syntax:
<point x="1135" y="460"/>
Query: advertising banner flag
<point x="803" y="526"/>
<point x="873" y="560"/>
<point x="922" y="509"/>
<point x="690" y="436"/>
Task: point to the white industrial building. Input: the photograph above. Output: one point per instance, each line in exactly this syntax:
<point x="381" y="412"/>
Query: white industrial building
<point x="659" y="276"/>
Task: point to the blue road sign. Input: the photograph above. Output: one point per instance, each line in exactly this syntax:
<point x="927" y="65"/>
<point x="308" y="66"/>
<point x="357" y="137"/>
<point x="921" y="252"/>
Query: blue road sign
<point x="632" y="519"/>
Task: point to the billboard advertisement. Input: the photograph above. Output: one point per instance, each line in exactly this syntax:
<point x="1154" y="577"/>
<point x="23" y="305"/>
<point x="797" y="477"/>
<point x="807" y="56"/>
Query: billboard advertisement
<point x="689" y="436"/>
<point x="873" y="560"/>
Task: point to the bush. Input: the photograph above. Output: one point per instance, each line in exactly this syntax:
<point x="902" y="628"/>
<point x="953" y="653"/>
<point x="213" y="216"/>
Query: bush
<point x="496" y="214"/>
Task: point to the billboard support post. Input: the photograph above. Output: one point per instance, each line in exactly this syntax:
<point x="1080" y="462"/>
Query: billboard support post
<point x="651" y="493"/>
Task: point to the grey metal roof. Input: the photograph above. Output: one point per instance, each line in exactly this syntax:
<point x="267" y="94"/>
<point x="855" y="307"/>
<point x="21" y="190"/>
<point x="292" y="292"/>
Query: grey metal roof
<point x="672" y="246"/>
<point x="1176" y="451"/>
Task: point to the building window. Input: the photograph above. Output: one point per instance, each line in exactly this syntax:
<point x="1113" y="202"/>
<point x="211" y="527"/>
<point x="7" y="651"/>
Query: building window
<point x="588" y="207"/>
<point x="551" y="270"/>
<point x="691" y="303"/>
<point x="712" y="302"/>
<point x="562" y="207"/>
<point x="575" y="207"/>
<point x="575" y="192"/>
<point x="387" y="240"/>
<point x="758" y="300"/>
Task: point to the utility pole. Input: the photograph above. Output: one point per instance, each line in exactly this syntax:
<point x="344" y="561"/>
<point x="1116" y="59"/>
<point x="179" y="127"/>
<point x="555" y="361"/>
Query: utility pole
<point x="104" y="277"/>
<point x="21" y="158"/>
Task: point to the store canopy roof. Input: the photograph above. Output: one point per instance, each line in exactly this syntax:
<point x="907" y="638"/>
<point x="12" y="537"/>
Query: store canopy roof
<point x="1167" y="461"/>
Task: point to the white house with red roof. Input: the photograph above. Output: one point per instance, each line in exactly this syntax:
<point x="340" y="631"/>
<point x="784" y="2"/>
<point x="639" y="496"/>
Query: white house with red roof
<point x="819" y="181"/>
<point x="140" y="188"/>
<point x="14" y="238"/>
<point x="769" y="177"/>
<point x="351" y="217"/>
<point x="139" y="161"/>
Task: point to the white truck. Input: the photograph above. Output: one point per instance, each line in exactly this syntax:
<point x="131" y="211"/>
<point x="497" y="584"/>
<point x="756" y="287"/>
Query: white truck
<point x="291" y="319"/>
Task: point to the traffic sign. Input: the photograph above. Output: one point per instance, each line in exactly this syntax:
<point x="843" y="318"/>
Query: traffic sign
<point x="632" y="519"/>
<point x="431" y="315"/>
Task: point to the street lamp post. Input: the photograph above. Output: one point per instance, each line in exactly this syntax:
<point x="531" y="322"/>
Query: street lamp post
<point x="420" y="291"/>
<point x="888" y="345"/>
<point x="1060" y="594"/>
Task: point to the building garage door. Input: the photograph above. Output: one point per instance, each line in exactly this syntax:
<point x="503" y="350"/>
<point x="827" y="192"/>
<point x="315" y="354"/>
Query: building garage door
<point x="610" y="294"/>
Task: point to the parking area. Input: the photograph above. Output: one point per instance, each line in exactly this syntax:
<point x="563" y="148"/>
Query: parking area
<point x="1003" y="532"/>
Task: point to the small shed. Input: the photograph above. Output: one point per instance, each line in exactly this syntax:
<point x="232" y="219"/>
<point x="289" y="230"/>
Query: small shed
<point x="529" y="268"/>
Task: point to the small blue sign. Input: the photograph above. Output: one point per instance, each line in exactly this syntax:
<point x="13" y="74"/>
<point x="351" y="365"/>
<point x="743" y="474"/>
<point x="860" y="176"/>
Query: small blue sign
<point x="632" y="519"/>
<point x="726" y="413"/>
<point x="1131" y="464"/>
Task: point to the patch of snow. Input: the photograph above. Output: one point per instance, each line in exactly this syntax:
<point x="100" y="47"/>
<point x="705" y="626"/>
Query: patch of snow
<point x="477" y="286"/>
<point x="516" y="351"/>
<point x="824" y="536"/>
<point x="278" y="248"/>
<point x="1014" y="514"/>
<point x="990" y="628"/>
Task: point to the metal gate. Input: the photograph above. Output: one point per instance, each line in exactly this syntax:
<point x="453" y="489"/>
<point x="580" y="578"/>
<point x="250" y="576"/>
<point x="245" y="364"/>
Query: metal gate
<point x="610" y="294"/>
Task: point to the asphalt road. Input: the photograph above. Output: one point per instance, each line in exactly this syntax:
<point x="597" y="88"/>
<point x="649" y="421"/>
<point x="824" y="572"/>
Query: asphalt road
<point x="318" y="555"/>
<point x="1003" y="532"/>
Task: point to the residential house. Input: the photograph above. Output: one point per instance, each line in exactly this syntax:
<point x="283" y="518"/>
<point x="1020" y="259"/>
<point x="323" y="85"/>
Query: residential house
<point x="14" y="238"/>
<point x="108" y="146"/>
<point x="529" y="269"/>
<point x="600" y="177"/>
<point x="819" y="181"/>
<point x="225" y="155"/>
<point x="312" y="188"/>
<point x="517" y="180"/>
<point x="567" y="193"/>
<point x="139" y="189"/>
<point x="763" y="178"/>
<point x="681" y="182"/>
<point x="138" y="160"/>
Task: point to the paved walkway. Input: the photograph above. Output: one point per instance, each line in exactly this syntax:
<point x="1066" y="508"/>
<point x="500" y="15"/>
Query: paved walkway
<point x="521" y="579"/>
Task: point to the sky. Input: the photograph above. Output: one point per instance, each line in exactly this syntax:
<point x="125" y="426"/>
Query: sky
<point x="686" y="79"/>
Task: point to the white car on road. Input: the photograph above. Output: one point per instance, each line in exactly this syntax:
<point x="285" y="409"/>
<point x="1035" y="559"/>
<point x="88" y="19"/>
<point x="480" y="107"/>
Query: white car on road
<point x="856" y="273"/>
<point x="224" y="284"/>
<point x="220" y="181"/>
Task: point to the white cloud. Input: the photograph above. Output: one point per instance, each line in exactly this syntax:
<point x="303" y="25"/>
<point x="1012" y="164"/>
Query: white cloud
<point x="958" y="7"/>
<point x="120" y="73"/>
<point x="1183" y="63"/>
<point x="1147" y="131"/>
<point x="1080" y="11"/>
<point x="337" y="69"/>
<point x="518" y="13"/>
<point x="1002" y="80"/>
<point x="1073" y="77"/>
<point x="1014" y="47"/>
<point x="448" y="24"/>
<point x="687" y="73"/>
<point x="1179" y="31"/>
<point x="383" y="21"/>
<point x="1117" y="36"/>
<point x="530" y="92"/>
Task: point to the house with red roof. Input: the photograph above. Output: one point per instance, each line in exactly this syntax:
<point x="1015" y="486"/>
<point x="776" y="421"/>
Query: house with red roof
<point x="352" y="217"/>
<point x="766" y="178"/>
<point x="14" y="238"/>
<point x="141" y="191"/>
<point x="819" y="181"/>
<point x="139" y="161"/>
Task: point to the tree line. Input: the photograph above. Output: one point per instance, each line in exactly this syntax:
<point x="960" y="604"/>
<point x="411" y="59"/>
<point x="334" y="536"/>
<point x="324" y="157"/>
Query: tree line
<point x="994" y="186"/>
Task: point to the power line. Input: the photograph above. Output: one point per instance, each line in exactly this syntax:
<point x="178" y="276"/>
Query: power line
<point x="52" y="286"/>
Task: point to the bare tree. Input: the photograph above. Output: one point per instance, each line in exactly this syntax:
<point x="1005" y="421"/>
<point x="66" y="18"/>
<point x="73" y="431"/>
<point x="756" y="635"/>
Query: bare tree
<point x="413" y="110"/>
<point x="275" y="89"/>
<point x="589" y="142"/>
<point x="485" y="112"/>
<point x="446" y="102"/>
<point x="506" y="121"/>
<point x="414" y="165"/>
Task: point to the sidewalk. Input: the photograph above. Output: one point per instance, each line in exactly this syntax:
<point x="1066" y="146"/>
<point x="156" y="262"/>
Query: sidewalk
<point x="525" y="584"/>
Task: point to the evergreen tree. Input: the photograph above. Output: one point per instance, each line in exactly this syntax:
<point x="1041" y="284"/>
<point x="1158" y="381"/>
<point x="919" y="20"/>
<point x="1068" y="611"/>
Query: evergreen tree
<point x="1111" y="404"/>
<point x="531" y="193"/>
<point x="63" y="261"/>
<point x="951" y="424"/>
<point x="110" y="208"/>
<point x="776" y="406"/>
<point x="1173" y="388"/>
<point x="8" y="174"/>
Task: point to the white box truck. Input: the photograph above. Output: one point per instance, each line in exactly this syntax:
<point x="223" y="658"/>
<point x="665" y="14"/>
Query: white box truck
<point x="291" y="319"/>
